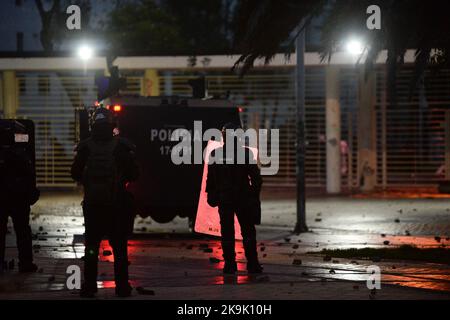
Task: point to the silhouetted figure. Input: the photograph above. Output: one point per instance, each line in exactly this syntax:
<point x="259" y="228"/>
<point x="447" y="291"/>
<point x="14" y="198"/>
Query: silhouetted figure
<point x="235" y="189"/>
<point x="104" y="164"/>
<point x="17" y="193"/>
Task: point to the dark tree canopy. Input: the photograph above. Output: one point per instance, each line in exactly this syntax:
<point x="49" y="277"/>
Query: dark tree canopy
<point x="142" y="27"/>
<point x="53" y="19"/>
<point x="263" y="25"/>
<point x="168" y="27"/>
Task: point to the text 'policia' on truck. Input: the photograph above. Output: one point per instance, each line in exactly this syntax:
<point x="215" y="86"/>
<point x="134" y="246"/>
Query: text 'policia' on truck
<point x="164" y="190"/>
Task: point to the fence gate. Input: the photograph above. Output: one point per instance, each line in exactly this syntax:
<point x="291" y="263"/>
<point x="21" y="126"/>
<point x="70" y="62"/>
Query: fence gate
<point x="413" y="136"/>
<point x="268" y="98"/>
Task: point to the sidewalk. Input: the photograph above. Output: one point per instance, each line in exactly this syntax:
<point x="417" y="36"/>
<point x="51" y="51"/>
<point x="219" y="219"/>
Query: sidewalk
<point x="175" y="265"/>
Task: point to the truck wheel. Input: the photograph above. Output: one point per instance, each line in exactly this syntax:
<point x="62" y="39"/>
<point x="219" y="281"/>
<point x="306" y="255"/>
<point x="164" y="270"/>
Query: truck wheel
<point x="163" y="217"/>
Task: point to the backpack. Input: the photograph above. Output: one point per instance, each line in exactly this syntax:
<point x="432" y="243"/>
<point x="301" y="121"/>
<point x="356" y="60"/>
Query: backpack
<point x="16" y="176"/>
<point x="101" y="177"/>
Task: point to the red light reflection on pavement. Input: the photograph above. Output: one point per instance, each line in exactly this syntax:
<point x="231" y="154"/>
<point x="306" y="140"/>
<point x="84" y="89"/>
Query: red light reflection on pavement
<point x="416" y="193"/>
<point x="419" y="277"/>
<point x="232" y="279"/>
<point x="134" y="247"/>
<point x="242" y="268"/>
<point x="108" y="284"/>
<point x="419" y="242"/>
<point x="104" y="246"/>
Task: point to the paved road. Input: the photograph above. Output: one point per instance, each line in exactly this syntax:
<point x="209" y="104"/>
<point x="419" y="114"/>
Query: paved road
<point x="419" y="217"/>
<point x="175" y="265"/>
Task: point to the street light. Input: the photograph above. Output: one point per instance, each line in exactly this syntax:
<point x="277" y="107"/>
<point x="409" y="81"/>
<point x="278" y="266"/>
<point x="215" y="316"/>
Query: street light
<point x="85" y="53"/>
<point x="300" y="226"/>
<point x="354" y="47"/>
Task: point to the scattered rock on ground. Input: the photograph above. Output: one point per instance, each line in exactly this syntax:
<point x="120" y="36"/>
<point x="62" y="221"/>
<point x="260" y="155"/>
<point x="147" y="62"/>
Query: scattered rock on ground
<point x="297" y="262"/>
<point x="214" y="260"/>
<point x="144" y="291"/>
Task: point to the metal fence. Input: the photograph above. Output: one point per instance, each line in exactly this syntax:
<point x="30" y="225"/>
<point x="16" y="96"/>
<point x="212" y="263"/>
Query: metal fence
<point x="413" y="136"/>
<point x="50" y="100"/>
<point x="268" y="98"/>
<point x="412" y="139"/>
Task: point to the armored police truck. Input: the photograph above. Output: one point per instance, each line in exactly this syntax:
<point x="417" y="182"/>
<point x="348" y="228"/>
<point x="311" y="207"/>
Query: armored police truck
<point x="164" y="189"/>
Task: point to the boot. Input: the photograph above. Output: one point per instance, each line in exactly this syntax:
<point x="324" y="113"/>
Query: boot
<point x="251" y="254"/>
<point x="88" y="290"/>
<point x="229" y="255"/>
<point x="230" y="267"/>
<point x="123" y="290"/>
<point x="89" y="287"/>
<point x="24" y="246"/>
<point x="27" y="267"/>
<point x="254" y="267"/>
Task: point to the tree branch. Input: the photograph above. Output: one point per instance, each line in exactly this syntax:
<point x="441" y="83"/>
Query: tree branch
<point x="40" y="8"/>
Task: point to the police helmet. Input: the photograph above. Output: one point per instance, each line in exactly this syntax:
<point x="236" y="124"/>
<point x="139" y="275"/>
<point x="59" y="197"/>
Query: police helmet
<point x="102" y="115"/>
<point x="227" y="133"/>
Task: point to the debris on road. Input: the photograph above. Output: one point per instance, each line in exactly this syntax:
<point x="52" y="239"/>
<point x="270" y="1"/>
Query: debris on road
<point x="144" y="291"/>
<point x="107" y="253"/>
<point x="214" y="260"/>
<point x="297" y="262"/>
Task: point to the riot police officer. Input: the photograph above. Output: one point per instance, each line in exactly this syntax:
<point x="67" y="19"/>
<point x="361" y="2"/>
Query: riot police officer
<point x="104" y="164"/>
<point x="17" y="191"/>
<point x="235" y="189"/>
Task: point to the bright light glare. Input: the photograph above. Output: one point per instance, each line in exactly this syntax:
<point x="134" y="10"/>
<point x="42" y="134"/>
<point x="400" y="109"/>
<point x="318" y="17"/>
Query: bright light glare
<point x="355" y="47"/>
<point x="85" y="53"/>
